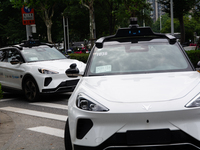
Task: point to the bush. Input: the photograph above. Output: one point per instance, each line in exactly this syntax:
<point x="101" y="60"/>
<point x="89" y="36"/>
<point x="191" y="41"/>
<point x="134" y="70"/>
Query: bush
<point x="194" y="56"/>
<point x="81" y="57"/>
<point x="1" y="92"/>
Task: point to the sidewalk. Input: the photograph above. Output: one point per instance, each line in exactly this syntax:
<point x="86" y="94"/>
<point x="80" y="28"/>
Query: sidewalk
<point x="6" y="128"/>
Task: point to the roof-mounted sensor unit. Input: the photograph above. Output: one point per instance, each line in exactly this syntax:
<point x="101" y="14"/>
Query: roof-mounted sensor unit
<point x="134" y="31"/>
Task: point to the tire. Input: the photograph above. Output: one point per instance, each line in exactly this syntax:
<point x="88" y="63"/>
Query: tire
<point x="67" y="138"/>
<point x="30" y="89"/>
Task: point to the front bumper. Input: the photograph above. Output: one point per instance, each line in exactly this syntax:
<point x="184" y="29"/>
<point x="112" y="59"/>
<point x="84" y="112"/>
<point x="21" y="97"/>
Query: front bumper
<point x="66" y="86"/>
<point x="141" y="131"/>
<point x="177" y="140"/>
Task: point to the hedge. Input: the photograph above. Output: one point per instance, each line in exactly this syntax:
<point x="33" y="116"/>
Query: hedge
<point x="81" y="57"/>
<point x="1" y="92"/>
<point x="194" y="56"/>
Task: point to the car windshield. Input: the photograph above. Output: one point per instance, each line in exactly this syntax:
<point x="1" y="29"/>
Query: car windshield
<point x="42" y="54"/>
<point x="142" y="57"/>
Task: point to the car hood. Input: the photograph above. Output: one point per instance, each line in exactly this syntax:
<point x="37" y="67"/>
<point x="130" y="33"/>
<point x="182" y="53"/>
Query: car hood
<point x="143" y="87"/>
<point x="58" y="65"/>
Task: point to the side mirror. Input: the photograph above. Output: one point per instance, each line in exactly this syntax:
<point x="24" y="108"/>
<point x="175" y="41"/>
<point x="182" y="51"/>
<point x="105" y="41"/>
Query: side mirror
<point x="67" y="56"/>
<point x="73" y="71"/>
<point x="198" y="67"/>
<point x="198" y="64"/>
<point x="14" y="61"/>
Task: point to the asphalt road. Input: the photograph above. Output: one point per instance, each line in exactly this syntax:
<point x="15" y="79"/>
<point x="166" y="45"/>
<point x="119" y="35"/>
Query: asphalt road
<point x="36" y="126"/>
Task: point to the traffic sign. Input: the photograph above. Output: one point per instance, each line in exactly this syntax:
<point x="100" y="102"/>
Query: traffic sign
<point x="28" y="16"/>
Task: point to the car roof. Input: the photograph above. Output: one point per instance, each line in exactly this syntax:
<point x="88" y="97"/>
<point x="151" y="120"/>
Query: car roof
<point x="27" y="44"/>
<point x="133" y="34"/>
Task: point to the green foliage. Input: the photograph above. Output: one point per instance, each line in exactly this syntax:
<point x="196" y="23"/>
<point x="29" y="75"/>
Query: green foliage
<point x="78" y="20"/>
<point x="167" y="26"/>
<point x="194" y="56"/>
<point x="11" y="29"/>
<point x="80" y="57"/>
<point x="133" y="8"/>
<point x="1" y="92"/>
<point x="191" y="26"/>
<point x="156" y="26"/>
<point x="180" y="7"/>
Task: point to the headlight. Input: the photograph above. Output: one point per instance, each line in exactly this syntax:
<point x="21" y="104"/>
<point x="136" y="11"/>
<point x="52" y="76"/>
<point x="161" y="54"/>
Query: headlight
<point x="86" y="103"/>
<point x="45" y="71"/>
<point x="195" y="102"/>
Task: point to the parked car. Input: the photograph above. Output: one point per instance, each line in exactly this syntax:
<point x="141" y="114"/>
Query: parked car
<point x="36" y="68"/>
<point x="139" y="91"/>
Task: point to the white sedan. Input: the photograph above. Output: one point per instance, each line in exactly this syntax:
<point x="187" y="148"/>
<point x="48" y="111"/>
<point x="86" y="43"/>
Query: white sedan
<point x="36" y="69"/>
<point x="139" y="91"/>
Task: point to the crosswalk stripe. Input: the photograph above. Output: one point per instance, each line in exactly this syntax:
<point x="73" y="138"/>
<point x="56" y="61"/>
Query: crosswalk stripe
<point x="35" y="113"/>
<point x="51" y="105"/>
<point x="48" y="130"/>
<point x="4" y="100"/>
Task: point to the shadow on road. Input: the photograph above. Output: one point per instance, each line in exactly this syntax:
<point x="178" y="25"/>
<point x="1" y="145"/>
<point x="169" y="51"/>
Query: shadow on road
<point x="43" y="98"/>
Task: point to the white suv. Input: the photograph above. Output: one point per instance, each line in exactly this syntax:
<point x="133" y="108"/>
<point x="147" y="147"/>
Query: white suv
<point x="36" y="68"/>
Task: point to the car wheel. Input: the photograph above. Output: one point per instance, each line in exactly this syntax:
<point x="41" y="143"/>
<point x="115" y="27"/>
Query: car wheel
<point x="67" y="138"/>
<point x="30" y="89"/>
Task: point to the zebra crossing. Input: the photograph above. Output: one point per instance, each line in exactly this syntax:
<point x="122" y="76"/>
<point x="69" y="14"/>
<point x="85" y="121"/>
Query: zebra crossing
<point x="41" y="129"/>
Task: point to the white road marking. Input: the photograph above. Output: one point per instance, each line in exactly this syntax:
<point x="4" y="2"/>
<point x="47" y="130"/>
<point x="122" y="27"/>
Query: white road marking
<point x="48" y="130"/>
<point x="35" y="113"/>
<point x="4" y="100"/>
<point x="51" y="105"/>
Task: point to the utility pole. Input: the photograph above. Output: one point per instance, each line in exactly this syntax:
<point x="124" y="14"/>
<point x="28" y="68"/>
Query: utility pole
<point x="28" y="27"/>
<point x="172" y="17"/>
<point x="143" y="19"/>
<point x="160" y="20"/>
<point x="28" y="31"/>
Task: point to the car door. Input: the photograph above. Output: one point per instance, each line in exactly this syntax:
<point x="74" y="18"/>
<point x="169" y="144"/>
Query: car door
<point x="3" y="53"/>
<point x="13" y="72"/>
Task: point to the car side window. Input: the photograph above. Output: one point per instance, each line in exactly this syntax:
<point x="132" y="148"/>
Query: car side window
<point x="3" y="54"/>
<point x="13" y="54"/>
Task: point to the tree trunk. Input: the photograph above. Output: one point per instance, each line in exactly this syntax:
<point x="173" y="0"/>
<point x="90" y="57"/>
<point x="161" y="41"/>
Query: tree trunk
<point x="92" y="25"/>
<point x="49" y="25"/>
<point x="92" y="21"/>
<point x="47" y="18"/>
<point x="182" y="27"/>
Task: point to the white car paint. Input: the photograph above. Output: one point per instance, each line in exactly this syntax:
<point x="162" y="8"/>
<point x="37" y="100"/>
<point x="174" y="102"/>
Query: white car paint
<point x="13" y="75"/>
<point x="135" y="94"/>
<point x="137" y="107"/>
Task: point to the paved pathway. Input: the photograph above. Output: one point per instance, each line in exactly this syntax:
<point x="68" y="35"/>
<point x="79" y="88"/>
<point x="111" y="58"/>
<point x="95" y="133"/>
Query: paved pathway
<point x="6" y="128"/>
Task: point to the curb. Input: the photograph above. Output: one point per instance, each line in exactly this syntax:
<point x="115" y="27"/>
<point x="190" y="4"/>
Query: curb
<point x="6" y="128"/>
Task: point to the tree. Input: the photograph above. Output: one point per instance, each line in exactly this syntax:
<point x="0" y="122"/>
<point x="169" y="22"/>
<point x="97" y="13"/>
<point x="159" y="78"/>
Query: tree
<point x="109" y="8"/>
<point x="78" y="20"/>
<point x="44" y="8"/>
<point x="134" y="8"/>
<point x="11" y="29"/>
<point x="156" y="26"/>
<point x="180" y="8"/>
<point x="89" y="5"/>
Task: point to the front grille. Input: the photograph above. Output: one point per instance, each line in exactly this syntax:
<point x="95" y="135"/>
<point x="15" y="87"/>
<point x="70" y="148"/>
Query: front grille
<point x="67" y="86"/>
<point x="69" y="83"/>
<point x="178" y="140"/>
